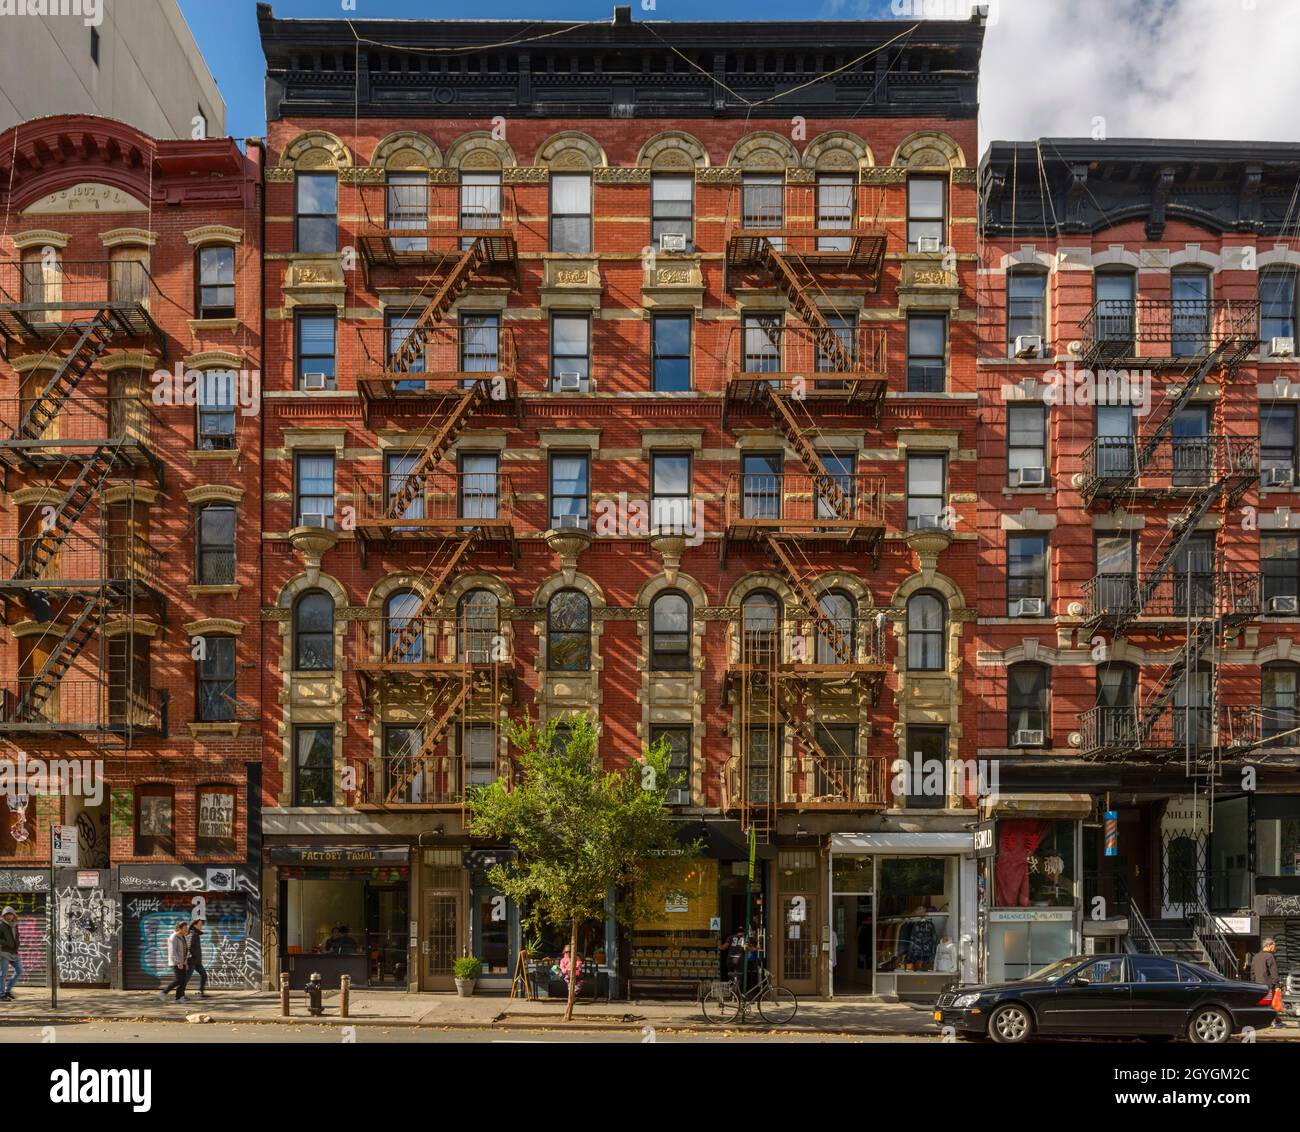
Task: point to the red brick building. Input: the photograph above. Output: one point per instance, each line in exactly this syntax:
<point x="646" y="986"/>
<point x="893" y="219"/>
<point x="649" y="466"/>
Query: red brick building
<point x="532" y="307"/>
<point x="130" y="315"/>
<point x="1138" y="561"/>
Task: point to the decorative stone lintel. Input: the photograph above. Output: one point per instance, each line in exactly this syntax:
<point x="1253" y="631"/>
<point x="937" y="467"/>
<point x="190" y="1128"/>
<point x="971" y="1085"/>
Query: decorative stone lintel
<point x="128" y="238"/>
<point x="215" y="234"/>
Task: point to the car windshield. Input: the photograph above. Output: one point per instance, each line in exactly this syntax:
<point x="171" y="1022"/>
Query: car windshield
<point x="1052" y="971"/>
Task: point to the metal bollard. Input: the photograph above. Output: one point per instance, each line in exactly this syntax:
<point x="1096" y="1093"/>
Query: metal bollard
<point x="345" y="987"/>
<point x="284" y="994"/>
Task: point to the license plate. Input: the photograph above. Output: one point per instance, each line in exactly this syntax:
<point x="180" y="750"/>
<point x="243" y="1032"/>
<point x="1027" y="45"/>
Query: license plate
<point x="938" y="1015"/>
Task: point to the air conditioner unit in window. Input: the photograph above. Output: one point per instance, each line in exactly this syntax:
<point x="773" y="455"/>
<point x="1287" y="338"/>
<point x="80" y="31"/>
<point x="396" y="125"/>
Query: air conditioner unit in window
<point x="1029" y="345"/>
<point x="929" y="244"/>
<point x="1281" y="347"/>
<point x="312" y="520"/>
<point x="1031" y="477"/>
<point x="315" y="381"/>
<point x="1028" y="739"/>
<point x="1028" y="607"/>
<point x="568" y="382"/>
<point x="672" y="242"/>
<point x="570" y="522"/>
<point x="1284" y="603"/>
<point x="928" y="523"/>
<point x="1279" y="477"/>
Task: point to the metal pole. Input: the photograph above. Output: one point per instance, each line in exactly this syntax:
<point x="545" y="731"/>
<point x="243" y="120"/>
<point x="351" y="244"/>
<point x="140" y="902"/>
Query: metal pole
<point x="52" y="918"/>
<point x="749" y="892"/>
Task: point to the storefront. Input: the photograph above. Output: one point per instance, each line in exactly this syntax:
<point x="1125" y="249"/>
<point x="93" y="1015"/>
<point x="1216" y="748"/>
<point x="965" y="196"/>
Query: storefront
<point x="27" y="892"/>
<point x="902" y="913"/>
<point x="1276" y="828"/>
<point x="1031" y="891"/>
<point x="345" y="910"/>
<point x="154" y="898"/>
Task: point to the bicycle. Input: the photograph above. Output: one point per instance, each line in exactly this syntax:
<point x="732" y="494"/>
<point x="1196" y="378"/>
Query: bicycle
<point x="722" y="1000"/>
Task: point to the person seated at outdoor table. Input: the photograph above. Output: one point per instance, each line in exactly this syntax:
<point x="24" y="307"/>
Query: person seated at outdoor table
<point x="340" y="942"/>
<point x="567" y="961"/>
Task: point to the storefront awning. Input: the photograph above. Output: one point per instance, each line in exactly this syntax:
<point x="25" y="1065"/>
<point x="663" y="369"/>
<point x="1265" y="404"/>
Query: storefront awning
<point x="1040" y="805"/>
<point x="902" y="843"/>
<point x="721" y="839"/>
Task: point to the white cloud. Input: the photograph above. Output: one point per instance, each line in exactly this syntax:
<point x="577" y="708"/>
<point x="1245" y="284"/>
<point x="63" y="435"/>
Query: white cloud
<point x="1214" y="69"/>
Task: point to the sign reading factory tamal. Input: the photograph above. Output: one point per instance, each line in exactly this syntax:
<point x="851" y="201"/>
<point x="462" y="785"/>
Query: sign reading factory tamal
<point x="339" y="855"/>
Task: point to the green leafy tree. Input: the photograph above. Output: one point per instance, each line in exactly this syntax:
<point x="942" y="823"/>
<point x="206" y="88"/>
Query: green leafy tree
<point x="581" y="831"/>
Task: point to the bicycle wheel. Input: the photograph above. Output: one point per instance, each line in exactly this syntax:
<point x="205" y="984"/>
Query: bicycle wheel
<point x="777" y="1005"/>
<point x="719" y="1002"/>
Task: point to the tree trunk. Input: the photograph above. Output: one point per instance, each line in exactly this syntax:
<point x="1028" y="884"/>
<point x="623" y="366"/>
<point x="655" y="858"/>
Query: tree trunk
<point x="573" y="970"/>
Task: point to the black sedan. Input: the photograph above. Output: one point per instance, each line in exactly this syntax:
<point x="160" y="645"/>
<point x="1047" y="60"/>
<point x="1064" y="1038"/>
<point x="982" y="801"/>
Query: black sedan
<point x="1112" y="996"/>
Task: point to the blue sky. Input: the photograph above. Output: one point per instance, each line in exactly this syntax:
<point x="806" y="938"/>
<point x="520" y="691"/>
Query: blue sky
<point x="1051" y="68"/>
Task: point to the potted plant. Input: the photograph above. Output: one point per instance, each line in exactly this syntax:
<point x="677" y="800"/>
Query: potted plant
<point x="466" y="970"/>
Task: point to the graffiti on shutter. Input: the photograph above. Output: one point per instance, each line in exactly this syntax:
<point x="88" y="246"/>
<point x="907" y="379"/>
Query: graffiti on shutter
<point x="87" y="935"/>
<point x="232" y="953"/>
<point x="33" y="935"/>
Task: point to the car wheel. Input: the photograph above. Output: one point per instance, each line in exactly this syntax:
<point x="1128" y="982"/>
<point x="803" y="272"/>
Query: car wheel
<point x="1210" y="1027"/>
<point x="1010" y="1024"/>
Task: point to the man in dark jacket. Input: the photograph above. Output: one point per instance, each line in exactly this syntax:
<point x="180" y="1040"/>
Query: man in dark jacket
<point x="1263" y="968"/>
<point x="9" y="953"/>
<point x="196" y="957"/>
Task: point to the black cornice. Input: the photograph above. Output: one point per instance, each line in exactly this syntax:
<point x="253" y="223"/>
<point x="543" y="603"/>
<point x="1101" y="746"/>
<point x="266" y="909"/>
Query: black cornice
<point x="1068" y="186"/>
<point x="621" y="68"/>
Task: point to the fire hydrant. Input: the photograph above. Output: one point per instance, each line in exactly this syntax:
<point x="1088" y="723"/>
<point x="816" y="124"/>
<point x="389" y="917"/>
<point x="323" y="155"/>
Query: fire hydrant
<point x="314" y="988"/>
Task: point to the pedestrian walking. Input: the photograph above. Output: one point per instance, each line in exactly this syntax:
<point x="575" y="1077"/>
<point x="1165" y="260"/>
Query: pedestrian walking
<point x="178" y="958"/>
<point x="196" y="956"/>
<point x="1263" y="969"/>
<point x="9" y="953"/>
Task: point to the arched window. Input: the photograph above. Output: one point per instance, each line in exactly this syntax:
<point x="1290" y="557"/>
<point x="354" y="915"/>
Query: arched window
<point x="1028" y="713"/>
<point x="313" y="632"/>
<point x="477" y="625"/>
<point x="670" y="632"/>
<point x="925" y="625"/>
<point x="1281" y="702"/>
<point x="759" y="614"/>
<point x="568" y="632"/>
<point x="835" y="628"/>
<point x="403" y="636"/>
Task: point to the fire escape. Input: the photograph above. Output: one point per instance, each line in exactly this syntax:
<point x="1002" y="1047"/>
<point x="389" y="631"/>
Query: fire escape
<point x="1181" y="589"/>
<point x="76" y="560"/>
<point x="442" y="373"/>
<point x="801" y="240"/>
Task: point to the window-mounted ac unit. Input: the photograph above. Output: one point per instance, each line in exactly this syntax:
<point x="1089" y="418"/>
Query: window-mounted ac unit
<point x="1029" y="345"/>
<point x="672" y="242"/>
<point x="313" y="520"/>
<point x="570" y="522"/>
<point x="1031" y="477"/>
<point x="1279" y="477"/>
<point x="569" y="382"/>
<point x="315" y="381"/>
<point x="1028" y="739"/>
<point x="928" y="523"/>
<point x="1028" y="607"/>
<point x="929" y="244"/>
<point x="1284" y="603"/>
<point x="1281" y="347"/>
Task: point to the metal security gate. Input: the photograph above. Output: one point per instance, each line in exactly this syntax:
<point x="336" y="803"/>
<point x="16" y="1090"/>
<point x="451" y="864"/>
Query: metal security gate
<point x="231" y="954"/>
<point x="33" y="935"/>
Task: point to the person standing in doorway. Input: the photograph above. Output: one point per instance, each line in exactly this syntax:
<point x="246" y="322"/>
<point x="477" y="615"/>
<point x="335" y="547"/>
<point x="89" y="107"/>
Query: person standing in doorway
<point x="9" y="953"/>
<point x="178" y="958"/>
<point x="196" y="956"/>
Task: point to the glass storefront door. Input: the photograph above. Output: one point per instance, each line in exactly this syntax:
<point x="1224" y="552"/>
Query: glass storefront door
<point x="494" y="927"/>
<point x="388" y="935"/>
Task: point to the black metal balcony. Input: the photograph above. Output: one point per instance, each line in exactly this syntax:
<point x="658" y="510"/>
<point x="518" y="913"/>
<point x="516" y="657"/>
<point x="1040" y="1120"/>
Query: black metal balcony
<point x="1163" y="333"/>
<point x="1111" y="731"/>
<point x="1115" y="466"/>
<point x="1114" y="600"/>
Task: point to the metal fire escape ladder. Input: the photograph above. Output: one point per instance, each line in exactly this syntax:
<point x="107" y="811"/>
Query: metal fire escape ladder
<point x="446" y="703"/>
<point x="433" y="580"/>
<point x="94" y="339"/>
<point x="785" y="551"/>
<point x="84" y="626"/>
<point x="799" y="724"/>
<point x="796" y="290"/>
<point x="827" y="488"/>
<point x="449" y="290"/>
<point x="90" y="477"/>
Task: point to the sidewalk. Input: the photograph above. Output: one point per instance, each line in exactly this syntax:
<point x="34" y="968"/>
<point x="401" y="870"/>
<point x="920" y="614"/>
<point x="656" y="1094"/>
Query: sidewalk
<point x="482" y="1011"/>
<point x="399" y="1008"/>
